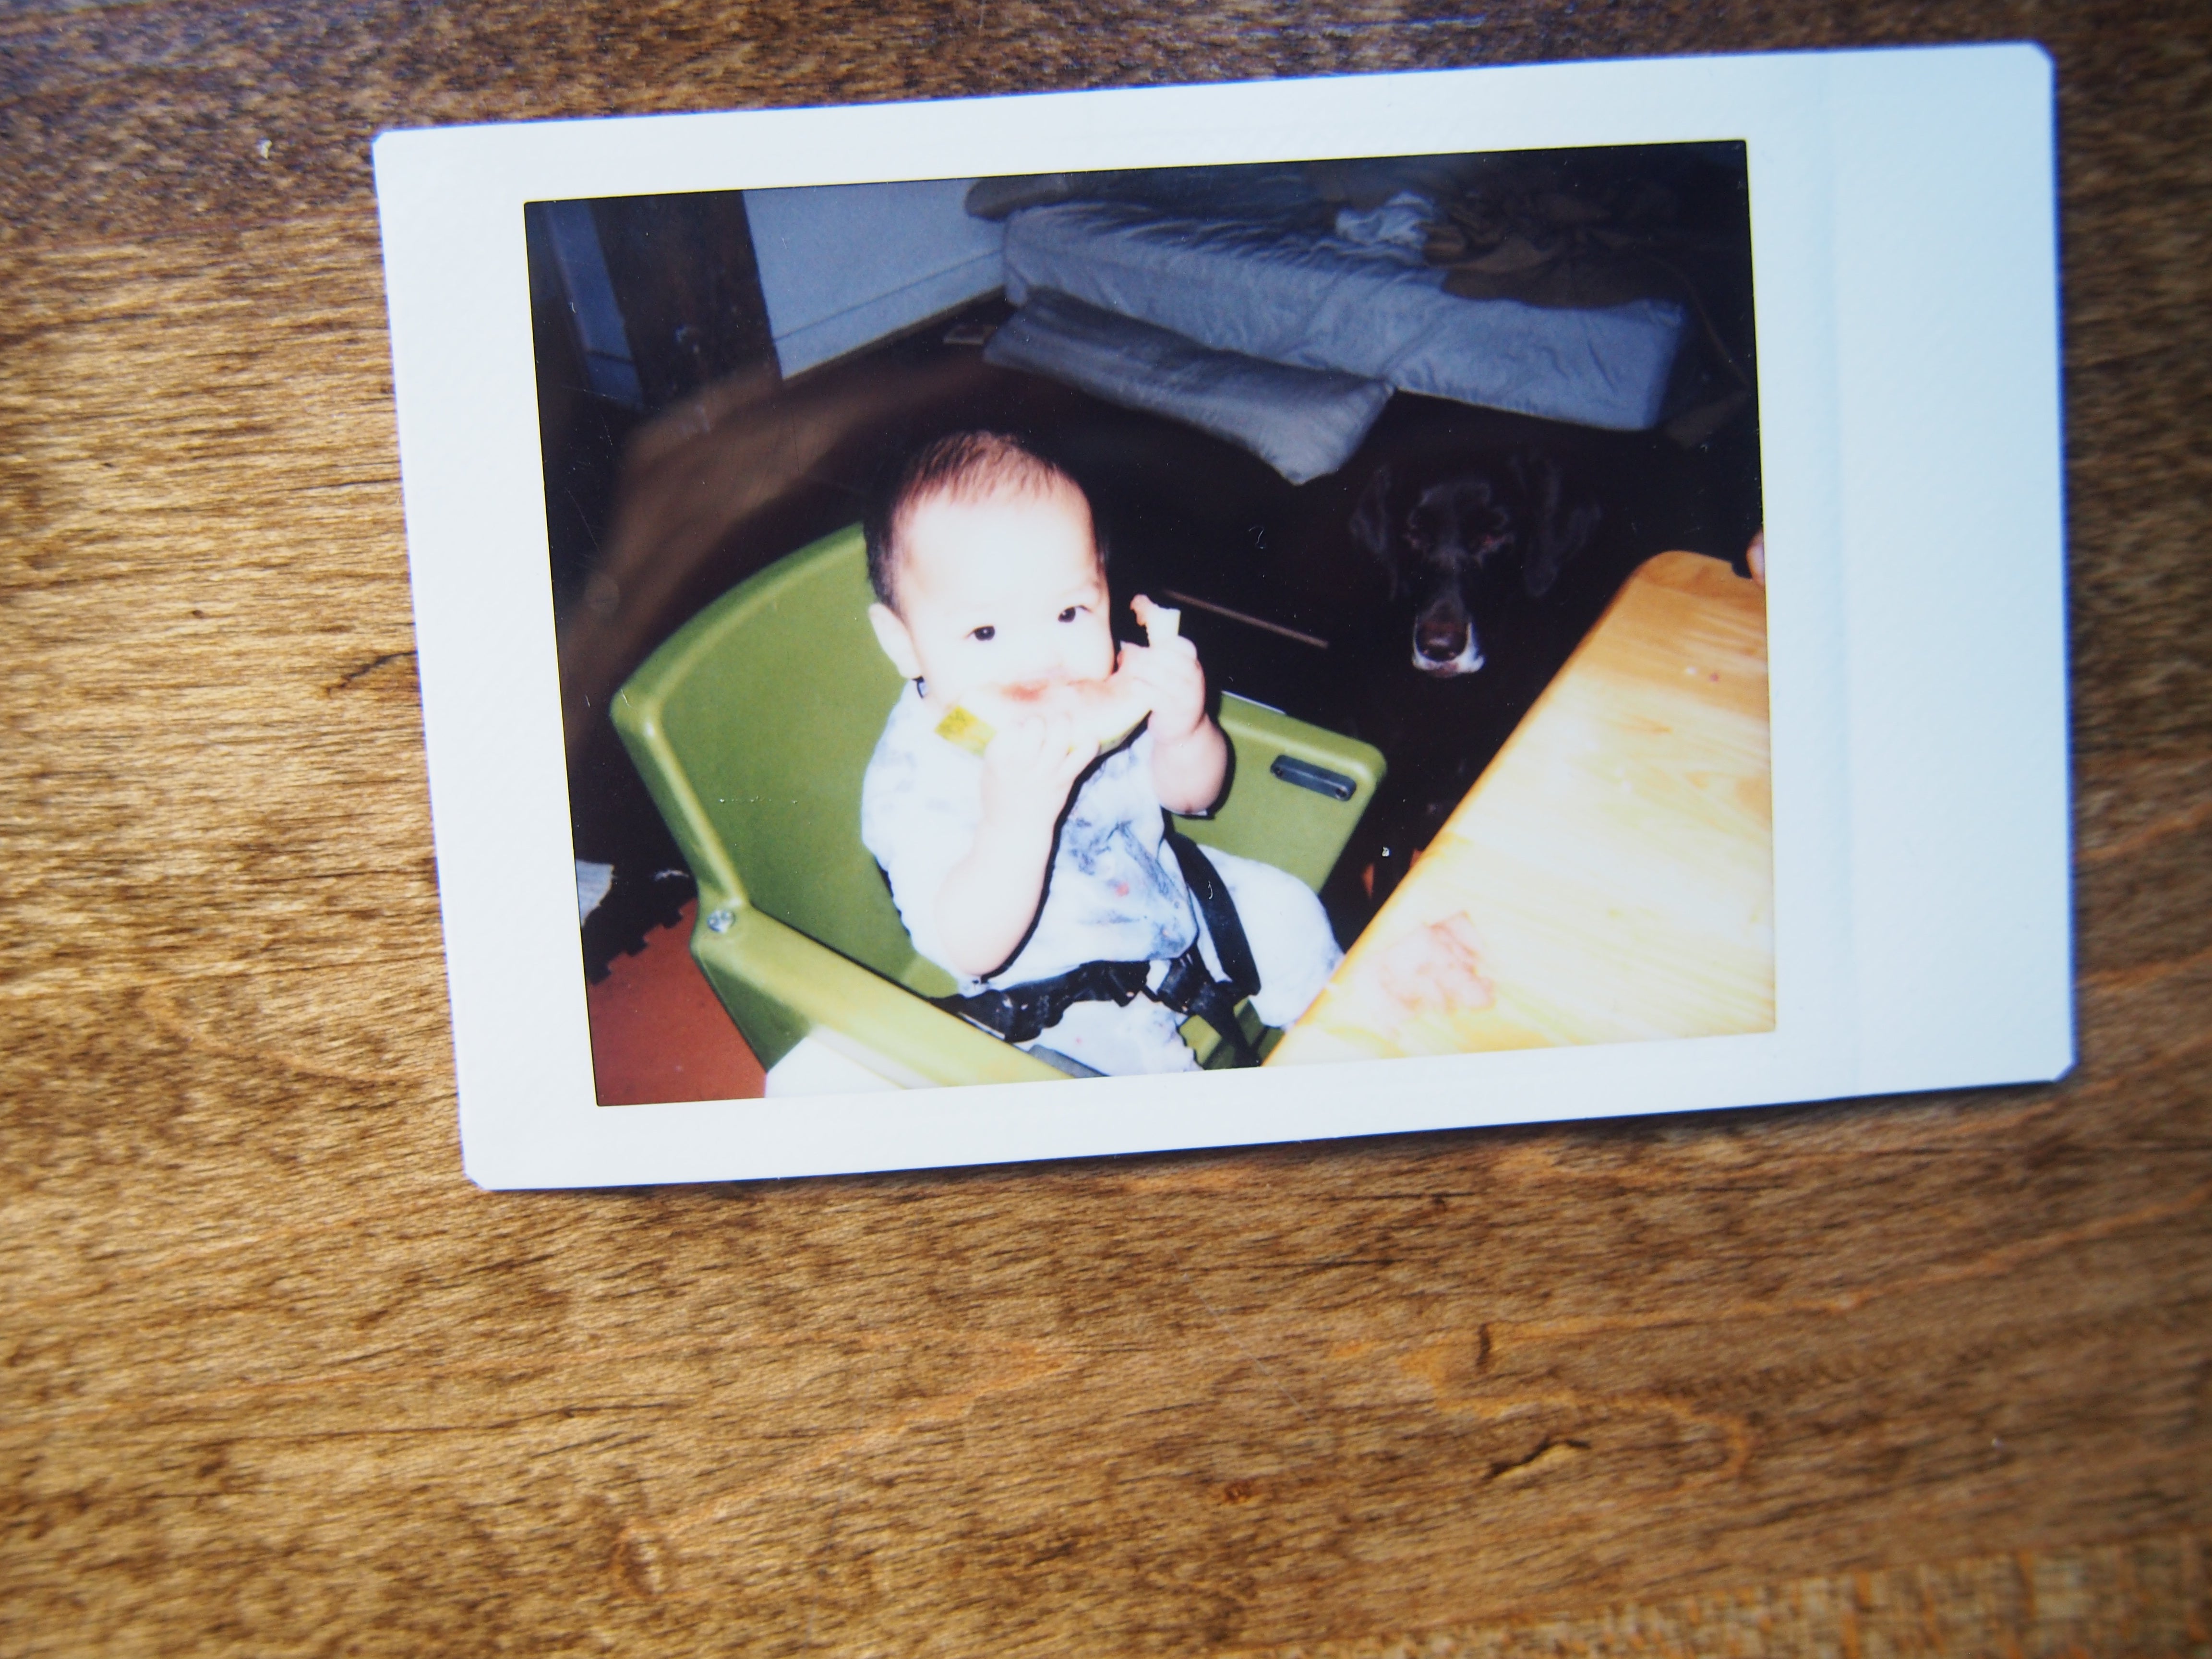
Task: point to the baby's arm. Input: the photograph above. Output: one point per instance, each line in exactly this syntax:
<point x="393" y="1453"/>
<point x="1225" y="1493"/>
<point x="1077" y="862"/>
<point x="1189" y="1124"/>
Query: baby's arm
<point x="1190" y="757"/>
<point x="987" y="904"/>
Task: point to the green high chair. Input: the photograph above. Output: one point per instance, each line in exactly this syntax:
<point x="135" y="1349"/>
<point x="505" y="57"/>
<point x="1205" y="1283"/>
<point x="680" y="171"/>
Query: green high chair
<point x="752" y="726"/>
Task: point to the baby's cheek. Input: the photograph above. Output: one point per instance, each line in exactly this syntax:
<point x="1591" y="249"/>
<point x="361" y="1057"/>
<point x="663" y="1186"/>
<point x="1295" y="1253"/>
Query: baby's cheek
<point x="1098" y="653"/>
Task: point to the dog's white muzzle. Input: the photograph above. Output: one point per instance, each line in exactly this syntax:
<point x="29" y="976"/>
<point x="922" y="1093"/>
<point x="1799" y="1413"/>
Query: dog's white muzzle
<point x="1469" y="660"/>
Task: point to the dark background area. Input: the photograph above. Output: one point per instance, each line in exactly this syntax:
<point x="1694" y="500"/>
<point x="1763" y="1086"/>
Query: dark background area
<point x="1183" y="513"/>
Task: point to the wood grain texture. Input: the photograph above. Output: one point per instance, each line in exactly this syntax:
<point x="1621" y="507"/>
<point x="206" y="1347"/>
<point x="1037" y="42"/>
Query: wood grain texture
<point x="1610" y="878"/>
<point x="1930" y="1375"/>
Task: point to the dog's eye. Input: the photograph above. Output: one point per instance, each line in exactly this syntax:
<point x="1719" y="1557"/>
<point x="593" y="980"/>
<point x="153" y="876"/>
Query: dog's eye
<point x="985" y="632"/>
<point x="1071" y="613"/>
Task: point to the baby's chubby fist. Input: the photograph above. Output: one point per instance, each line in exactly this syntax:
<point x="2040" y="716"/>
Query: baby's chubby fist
<point x="1030" y="765"/>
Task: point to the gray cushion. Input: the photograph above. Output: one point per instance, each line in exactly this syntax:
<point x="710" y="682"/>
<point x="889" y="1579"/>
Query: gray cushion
<point x="994" y="198"/>
<point x="1302" y="422"/>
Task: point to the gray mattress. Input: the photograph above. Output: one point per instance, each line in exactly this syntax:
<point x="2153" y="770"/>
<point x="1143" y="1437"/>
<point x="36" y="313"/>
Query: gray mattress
<point x="1316" y="301"/>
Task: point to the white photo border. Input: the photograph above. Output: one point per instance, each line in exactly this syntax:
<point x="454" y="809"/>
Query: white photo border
<point x="1904" y="268"/>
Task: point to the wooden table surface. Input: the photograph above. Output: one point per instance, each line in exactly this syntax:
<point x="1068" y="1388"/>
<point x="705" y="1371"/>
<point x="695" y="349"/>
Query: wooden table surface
<point x="1610" y="877"/>
<point x="1904" y="1376"/>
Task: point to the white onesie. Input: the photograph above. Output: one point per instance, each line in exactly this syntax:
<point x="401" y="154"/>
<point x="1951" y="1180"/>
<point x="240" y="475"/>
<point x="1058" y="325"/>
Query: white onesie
<point x="1115" y="892"/>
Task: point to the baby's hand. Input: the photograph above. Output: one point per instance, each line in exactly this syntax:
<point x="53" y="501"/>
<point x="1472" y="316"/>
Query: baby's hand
<point x="1029" y="769"/>
<point x="1168" y="669"/>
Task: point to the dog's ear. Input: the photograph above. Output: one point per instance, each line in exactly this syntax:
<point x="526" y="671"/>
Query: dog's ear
<point x="1371" y="519"/>
<point x="1562" y="525"/>
<point x="1536" y="476"/>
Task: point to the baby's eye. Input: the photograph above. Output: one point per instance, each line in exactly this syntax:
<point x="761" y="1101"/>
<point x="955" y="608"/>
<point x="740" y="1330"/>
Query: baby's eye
<point x="985" y="632"/>
<point x="1071" y="613"/>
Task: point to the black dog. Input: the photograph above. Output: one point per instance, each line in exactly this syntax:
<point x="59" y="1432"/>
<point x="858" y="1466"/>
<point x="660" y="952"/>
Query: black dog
<point x="1441" y="537"/>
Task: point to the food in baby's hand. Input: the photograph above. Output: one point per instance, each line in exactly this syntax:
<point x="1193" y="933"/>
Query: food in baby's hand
<point x="966" y="731"/>
<point x="1159" y="621"/>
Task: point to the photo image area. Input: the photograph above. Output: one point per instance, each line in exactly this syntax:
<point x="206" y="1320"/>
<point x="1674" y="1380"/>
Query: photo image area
<point x="1450" y="465"/>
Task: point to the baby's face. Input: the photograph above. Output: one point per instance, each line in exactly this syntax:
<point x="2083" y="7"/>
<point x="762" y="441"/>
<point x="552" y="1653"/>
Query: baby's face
<point x="1003" y="590"/>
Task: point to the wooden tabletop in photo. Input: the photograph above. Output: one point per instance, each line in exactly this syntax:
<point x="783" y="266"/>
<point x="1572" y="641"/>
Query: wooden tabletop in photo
<point x="1610" y="879"/>
<point x="1913" y="1376"/>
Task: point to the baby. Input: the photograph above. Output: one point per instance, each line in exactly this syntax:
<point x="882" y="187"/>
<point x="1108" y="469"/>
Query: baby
<point x="1038" y="870"/>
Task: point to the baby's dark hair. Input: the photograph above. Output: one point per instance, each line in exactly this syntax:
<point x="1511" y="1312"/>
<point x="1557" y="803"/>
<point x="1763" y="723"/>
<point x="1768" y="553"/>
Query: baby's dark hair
<point x="963" y="466"/>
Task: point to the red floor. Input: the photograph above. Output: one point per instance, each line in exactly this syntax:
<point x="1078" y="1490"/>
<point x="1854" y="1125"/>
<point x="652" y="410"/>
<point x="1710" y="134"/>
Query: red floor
<point x="659" y="1033"/>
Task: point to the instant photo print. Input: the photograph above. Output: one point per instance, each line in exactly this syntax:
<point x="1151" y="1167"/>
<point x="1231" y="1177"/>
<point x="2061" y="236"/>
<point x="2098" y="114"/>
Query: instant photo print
<point x="1101" y="623"/>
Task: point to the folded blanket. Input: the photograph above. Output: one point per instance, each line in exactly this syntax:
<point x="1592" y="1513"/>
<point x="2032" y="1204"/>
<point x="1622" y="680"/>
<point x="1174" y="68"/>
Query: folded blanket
<point x="1302" y="422"/>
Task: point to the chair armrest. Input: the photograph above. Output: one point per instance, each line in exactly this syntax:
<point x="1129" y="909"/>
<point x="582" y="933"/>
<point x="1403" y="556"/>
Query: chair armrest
<point x="780" y="986"/>
<point x="1268" y="814"/>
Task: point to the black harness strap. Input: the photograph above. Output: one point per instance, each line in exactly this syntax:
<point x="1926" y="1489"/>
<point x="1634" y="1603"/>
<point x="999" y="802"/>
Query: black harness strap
<point x="1190" y="987"/>
<point x="1021" y="1013"/>
<point x="1220" y="913"/>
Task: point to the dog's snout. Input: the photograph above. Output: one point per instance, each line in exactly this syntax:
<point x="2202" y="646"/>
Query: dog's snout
<point x="1440" y="636"/>
<point x="1443" y="640"/>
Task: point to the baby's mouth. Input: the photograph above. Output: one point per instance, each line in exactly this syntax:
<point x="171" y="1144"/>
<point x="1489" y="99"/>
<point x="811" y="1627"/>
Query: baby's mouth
<point x="1031" y="690"/>
<point x="1040" y="691"/>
